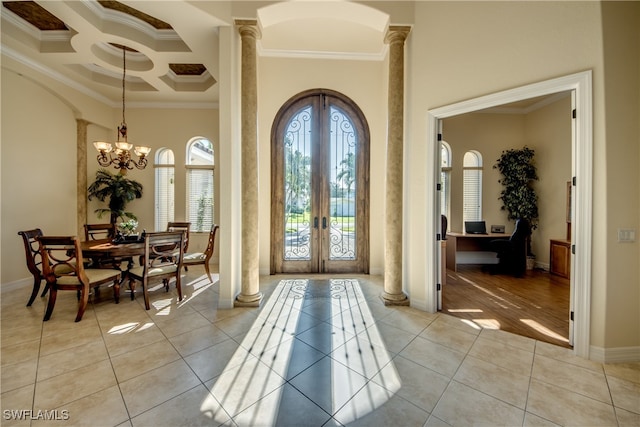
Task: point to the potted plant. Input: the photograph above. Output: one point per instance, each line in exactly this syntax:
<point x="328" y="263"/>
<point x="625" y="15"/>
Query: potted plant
<point x="118" y="191"/>
<point x="518" y="196"/>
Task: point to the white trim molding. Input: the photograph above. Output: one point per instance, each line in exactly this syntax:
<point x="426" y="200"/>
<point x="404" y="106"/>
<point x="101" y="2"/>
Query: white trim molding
<point x="580" y="85"/>
<point x="615" y="355"/>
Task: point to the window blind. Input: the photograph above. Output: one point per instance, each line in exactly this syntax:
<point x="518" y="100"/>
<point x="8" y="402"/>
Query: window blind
<point x="472" y="186"/>
<point x="472" y="194"/>
<point x="164" y="188"/>
<point x="165" y="197"/>
<point x="200" y="192"/>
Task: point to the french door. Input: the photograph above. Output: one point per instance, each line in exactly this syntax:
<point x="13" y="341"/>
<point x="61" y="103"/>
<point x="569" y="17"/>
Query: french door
<point x="320" y="186"/>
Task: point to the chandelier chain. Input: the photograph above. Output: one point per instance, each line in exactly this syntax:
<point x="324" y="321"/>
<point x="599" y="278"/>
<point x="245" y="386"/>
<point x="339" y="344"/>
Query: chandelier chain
<point x="124" y="73"/>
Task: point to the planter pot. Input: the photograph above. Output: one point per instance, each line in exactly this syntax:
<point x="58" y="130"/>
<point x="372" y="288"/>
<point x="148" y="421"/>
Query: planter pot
<point x="531" y="262"/>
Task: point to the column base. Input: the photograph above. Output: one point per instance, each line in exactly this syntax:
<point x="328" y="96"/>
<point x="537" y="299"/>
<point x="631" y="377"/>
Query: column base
<point x="248" y="300"/>
<point x="394" y="299"/>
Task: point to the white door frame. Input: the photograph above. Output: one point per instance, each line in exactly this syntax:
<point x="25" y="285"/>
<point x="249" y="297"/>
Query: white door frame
<point x="580" y="84"/>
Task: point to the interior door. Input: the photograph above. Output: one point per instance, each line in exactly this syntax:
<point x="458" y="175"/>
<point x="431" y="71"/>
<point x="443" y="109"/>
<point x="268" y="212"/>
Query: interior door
<point x="320" y="176"/>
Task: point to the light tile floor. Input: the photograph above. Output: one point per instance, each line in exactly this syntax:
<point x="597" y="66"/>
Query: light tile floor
<point x="318" y="352"/>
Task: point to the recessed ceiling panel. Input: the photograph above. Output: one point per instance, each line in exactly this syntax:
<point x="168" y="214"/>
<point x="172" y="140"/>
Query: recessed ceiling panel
<point x="35" y="15"/>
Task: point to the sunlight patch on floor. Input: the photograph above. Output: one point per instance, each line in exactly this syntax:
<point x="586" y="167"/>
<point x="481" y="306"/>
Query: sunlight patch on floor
<point x="502" y="302"/>
<point x="241" y="389"/>
<point x="544" y="330"/>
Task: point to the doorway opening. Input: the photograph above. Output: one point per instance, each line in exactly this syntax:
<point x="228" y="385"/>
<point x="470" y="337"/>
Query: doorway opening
<point x="580" y="87"/>
<point x="320" y="185"/>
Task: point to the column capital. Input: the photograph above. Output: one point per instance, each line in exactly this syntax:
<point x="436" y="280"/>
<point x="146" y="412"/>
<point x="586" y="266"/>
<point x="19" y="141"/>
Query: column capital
<point x="248" y="27"/>
<point x="397" y="33"/>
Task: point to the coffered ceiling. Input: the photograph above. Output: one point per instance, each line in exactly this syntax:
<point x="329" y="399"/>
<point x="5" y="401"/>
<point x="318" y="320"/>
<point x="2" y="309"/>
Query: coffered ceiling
<point x="172" y="46"/>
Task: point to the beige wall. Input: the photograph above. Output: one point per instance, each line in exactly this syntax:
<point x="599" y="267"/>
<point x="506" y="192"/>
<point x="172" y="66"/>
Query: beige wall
<point x="488" y="134"/>
<point x="456" y="51"/>
<point x="38" y="174"/>
<point x="38" y="162"/>
<point x="362" y="81"/>
<point x="477" y="48"/>
<point x="546" y="130"/>
<point x="158" y="128"/>
<point x="621" y="297"/>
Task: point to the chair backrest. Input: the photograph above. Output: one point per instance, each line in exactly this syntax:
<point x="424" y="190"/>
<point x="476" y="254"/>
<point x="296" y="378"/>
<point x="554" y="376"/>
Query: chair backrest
<point x="181" y="226"/>
<point x="99" y="231"/>
<point x="32" y="251"/>
<point x="162" y="249"/>
<point x="521" y="232"/>
<point x="443" y="226"/>
<point x="211" y="243"/>
<point x="62" y="257"/>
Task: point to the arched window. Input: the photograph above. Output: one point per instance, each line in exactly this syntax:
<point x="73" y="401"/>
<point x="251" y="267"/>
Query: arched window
<point x="200" y="184"/>
<point x="445" y="178"/>
<point x="472" y="186"/>
<point x="165" y="190"/>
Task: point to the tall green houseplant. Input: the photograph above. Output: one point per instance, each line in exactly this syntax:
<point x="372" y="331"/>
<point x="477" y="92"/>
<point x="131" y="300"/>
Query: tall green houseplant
<point x="117" y="190"/>
<point x="518" y="196"/>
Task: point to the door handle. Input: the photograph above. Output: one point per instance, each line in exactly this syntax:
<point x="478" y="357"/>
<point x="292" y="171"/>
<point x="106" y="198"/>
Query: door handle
<point x="324" y="222"/>
<point x="315" y="222"/>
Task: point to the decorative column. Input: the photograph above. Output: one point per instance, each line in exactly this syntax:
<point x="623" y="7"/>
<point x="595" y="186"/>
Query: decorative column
<point x="81" y="167"/>
<point x="250" y="294"/>
<point x="393" y="294"/>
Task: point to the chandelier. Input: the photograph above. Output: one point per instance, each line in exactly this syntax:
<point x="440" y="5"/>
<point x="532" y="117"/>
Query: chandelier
<point x="120" y="156"/>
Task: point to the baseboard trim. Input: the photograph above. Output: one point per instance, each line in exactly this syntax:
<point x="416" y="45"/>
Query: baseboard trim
<point x="418" y="304"/>
<point x="615" y="355"/>
<point x="376" y="271"/>
<point x="18" y="284"/>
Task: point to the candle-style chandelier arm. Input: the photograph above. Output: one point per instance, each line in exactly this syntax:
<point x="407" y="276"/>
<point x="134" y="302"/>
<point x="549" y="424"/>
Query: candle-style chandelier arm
<point x="120" y="156"/>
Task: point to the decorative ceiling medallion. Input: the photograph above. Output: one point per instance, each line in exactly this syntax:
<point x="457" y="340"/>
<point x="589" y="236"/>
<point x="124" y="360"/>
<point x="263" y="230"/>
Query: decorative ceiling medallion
<point x="188" y="69"/>
<point x="35" y="15"/>
<point x="121" y="46"/>
<point x="154" y="22"/>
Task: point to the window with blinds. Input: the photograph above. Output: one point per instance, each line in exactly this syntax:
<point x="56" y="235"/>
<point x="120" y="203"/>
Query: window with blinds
<point x="472" y="186"/>
<point x="164" y="188"/>
<point x="200" y="184"/>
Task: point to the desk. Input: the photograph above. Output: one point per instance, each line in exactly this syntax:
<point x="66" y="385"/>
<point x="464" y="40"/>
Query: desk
<point x="560" y="257"/>
<point x="107" y="250"/>
<point x="463" y="248"/>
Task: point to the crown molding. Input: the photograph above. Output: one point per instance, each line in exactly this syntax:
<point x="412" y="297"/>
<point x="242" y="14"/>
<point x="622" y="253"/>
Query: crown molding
<point x="48" y="72"/>
<point x="313" y="54"/>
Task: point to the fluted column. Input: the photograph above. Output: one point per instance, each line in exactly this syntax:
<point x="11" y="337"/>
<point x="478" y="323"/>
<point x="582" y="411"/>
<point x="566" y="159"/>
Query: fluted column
<point x="81" y="167"/>
<point x="393" y="294"/>
<point x="250" y="294"/>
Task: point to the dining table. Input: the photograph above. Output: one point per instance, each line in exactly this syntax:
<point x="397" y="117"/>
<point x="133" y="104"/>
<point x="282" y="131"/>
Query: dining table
<point x="108" y="251"/>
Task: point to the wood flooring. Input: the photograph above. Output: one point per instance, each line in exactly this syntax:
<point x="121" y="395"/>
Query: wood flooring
<point x="535" y="306"/>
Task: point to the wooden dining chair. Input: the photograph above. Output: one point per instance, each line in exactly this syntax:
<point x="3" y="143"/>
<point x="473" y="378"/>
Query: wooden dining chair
<point x="181" y="226"/>
<point x="99" y="231"/>
<point x="63" y="269"/>
<point x="162" y="260"/>
<point x="34" y="261"/>
<point x="202" y="258"/>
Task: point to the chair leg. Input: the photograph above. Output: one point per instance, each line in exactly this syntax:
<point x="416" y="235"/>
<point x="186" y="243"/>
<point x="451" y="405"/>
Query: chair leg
<point x="179" y="287"/>
<point x="206" y="267"/>
<point x="145" y="291"/>
<point x="84" y="292"/>
<point x="34" y="292"/>
<point x="45" y="290"/>
<point x="132" y="288"/>
<point x="116" y="290"/>
<point x="53" y="293"/>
